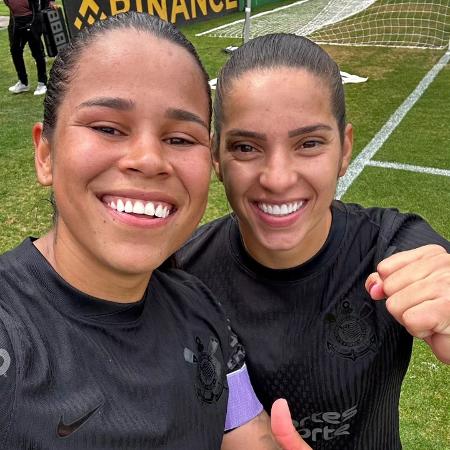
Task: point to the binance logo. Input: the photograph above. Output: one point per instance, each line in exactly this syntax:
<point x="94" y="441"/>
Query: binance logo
<point x="89" y="12"/>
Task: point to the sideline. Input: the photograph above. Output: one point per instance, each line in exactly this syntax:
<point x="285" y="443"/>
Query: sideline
<point x="363" y="159"/>
<point x="409" y="168"/>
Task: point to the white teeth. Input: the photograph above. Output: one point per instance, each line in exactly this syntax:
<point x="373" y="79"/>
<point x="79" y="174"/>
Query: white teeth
<point x="280" y="210"/>
<point x="139" y="207"/>
<point x="128" y="206"/>
<point x="149" y="209"/>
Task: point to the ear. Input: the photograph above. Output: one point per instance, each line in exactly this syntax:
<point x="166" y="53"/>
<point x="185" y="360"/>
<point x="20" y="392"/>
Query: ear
<point x="42" y="156"/>
<point x="215" y="157"/>
<point x="347" y="147"/>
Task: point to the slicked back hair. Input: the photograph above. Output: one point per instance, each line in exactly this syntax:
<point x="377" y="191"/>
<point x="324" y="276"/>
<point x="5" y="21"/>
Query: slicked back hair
<point x="65" y="66"/>
<point x="274" y="51"/>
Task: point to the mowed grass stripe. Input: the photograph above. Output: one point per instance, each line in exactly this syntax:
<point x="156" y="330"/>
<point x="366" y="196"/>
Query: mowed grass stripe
<point x="424" y="194"/>
<point x="358" y="164"/>
<point x="423" y="138"/>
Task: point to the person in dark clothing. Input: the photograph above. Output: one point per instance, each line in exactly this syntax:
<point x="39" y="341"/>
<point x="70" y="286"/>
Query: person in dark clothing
<point x="104" y="345"/>
<point x="301" y="275"/>
<point x="25" y="26"/>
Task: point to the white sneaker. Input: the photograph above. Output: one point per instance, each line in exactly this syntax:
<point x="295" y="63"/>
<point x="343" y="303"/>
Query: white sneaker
<point x="41" y="89"/>
<point x="18" y="88"/>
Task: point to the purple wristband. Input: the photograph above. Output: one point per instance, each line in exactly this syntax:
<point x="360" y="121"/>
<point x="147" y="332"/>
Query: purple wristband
<point x="243" y="405"/>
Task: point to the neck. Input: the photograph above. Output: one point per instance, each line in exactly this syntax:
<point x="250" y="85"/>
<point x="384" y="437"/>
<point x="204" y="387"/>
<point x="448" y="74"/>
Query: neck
<point x="85" y="273"/>
<point x="293" y="257"/>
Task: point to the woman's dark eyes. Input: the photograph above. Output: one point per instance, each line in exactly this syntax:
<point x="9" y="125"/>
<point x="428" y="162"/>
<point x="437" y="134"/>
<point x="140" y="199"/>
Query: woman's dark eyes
<point x="243" y="148"/>
<point x="310" y="144"/>
<point x="179" y="141"/>
<point x="107" y="130"/>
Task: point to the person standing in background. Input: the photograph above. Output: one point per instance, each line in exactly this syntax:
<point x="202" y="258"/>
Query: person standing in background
<point x="25" y="26"/>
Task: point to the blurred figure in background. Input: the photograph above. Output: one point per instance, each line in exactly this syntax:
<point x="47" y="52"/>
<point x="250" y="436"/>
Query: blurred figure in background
<point x="25" y="26"/>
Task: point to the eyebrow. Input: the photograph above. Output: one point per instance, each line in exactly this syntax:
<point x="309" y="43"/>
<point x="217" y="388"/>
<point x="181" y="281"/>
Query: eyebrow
<point x="236" y="132"/>
<point x="182" y="114"/>
<point x="108" y="102"/>
<point x="309" y="129"/>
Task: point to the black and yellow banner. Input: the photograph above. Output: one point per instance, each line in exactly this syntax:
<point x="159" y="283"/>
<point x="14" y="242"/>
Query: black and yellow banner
<point x="81" y="13"/>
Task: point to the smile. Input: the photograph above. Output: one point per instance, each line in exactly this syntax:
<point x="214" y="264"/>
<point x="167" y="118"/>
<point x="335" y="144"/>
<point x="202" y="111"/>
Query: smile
<point x="280" y="210"/>
<point x="147" y="208"/>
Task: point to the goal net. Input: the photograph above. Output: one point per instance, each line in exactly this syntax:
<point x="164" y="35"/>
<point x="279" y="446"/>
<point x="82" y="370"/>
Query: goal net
<point x="392" y="23"/>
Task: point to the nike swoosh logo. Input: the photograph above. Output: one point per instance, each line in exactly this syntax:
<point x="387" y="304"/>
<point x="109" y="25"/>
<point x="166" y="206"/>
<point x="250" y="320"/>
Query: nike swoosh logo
<point x="64" y="430"/>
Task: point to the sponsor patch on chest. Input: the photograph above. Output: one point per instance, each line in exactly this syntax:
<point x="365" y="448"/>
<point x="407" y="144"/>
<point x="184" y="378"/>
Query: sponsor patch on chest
<point x="326" y="425"/>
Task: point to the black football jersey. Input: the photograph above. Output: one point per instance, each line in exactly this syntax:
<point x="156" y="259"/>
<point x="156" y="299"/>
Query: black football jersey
<point x="78" y="372"/>
<point x="312" y="333"/>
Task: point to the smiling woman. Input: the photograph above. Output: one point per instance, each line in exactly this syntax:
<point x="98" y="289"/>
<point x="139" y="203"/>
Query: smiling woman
<point x="124" y="138"/>
<point x="299" y="272"/>
<point x="102" y="348"/>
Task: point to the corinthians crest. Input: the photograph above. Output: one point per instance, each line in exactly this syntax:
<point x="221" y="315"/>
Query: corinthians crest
<point x="209" y="385"/>
<point x="350" y="331"/>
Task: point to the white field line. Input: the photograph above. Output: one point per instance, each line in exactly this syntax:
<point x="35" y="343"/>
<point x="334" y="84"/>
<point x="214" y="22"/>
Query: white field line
<point x="253" y="17"/>
<point x="410" y="168"/>
<point x="358" y="164"/>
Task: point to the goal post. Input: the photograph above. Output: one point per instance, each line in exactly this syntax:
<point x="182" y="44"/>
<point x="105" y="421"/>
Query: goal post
<point x="247" y="23"/>
<point x="387" y="23"/>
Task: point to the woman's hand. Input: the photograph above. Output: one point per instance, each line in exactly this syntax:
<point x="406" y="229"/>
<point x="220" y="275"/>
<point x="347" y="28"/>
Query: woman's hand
<point x="282" y="428"/>
<point x="416" y="285"/>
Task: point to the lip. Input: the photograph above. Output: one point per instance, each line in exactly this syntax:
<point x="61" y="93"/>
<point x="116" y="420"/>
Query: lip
<point x="139" y="221"/>
<point x="278" y="221"/>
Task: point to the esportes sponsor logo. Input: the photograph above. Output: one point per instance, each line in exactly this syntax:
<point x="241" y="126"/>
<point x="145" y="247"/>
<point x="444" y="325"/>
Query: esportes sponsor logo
<point x="325" y="425"/>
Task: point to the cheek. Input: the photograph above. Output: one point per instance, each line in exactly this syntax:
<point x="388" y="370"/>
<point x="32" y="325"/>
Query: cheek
<point x="240" y="177"/>
<point x="235" y="189"/>
<point x="80" y="159"/>
<point x="321" y="173"/>
<point x="195" y="174"/>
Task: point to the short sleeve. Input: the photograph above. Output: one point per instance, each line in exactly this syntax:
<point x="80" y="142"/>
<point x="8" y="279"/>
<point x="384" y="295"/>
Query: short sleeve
<point x="7" y="378"/>
<point x="243" y="404"/>
<point x="401" y="232"/>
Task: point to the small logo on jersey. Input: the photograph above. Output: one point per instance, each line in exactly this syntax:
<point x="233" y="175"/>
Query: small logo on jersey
<point x="209" y="385"/>
<point x="64" y="430"/>
<point x="350" y="332"/>
<point x="325" y="426"/>
<point x="6" y="361"/>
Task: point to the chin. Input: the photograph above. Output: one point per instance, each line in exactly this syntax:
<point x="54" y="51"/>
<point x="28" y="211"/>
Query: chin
<point x="137" y="265"/>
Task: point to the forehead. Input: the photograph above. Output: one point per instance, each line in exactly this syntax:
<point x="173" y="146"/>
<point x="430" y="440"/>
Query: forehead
<point x="278" y="93"/>
<point x="137" y="64"/>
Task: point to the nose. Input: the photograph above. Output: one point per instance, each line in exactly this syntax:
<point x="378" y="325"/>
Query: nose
<point x="146" y="155"/>
<point x="279" y="172"/>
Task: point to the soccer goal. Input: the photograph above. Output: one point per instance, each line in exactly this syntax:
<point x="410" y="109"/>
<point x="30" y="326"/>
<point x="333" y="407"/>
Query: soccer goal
<point x="391" y="23"/>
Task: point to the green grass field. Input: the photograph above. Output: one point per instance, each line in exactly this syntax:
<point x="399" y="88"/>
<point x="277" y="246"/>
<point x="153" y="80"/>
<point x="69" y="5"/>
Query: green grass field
<point x="421" y="139"/>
